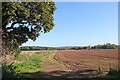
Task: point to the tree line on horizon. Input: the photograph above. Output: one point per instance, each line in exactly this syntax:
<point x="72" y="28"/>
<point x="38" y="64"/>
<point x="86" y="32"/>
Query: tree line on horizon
<point x="103" y="46"/>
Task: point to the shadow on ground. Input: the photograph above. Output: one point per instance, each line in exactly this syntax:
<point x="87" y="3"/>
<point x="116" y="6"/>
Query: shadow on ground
<point x="63" y="74"/>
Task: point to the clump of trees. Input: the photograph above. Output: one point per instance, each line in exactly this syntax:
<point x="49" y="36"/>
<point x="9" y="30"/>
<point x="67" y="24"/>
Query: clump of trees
<point x="103" y="46"/>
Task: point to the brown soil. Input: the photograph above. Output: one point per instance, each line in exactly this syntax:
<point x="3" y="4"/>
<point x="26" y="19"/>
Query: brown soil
<point x="55" y="69"/>
<point x="88" y="59"/>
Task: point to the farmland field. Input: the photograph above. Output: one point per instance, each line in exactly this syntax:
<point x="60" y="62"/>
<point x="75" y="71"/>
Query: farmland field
<point x="66" y="63"/>
<point x="89" y="59"/>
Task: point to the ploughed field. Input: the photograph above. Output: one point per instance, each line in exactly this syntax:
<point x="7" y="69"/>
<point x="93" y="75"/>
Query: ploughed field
<point x="66" y="63"/>
<point x="98" y="59"/>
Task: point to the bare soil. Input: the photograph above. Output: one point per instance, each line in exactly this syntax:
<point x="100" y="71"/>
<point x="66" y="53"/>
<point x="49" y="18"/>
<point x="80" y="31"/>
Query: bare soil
<point x="55" y="69"/>
<point x="89" y="59"/>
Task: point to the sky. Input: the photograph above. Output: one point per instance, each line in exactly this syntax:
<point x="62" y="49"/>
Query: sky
<point x="81" y="24"/>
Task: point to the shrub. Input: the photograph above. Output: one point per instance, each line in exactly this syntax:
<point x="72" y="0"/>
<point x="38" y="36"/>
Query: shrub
<point x="9" y="71"/>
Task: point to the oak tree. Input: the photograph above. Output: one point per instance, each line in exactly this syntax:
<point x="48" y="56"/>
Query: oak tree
<point x="24" y="20"/>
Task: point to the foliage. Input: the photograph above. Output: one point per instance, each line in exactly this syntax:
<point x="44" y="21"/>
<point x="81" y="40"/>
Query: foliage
<point x="25" y="20"/>
<point x="105" y="46"/>
<point x="9" y="71"/>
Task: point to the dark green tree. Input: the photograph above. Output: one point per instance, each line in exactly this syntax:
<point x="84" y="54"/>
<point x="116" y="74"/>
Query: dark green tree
<point x="25" y="20"/>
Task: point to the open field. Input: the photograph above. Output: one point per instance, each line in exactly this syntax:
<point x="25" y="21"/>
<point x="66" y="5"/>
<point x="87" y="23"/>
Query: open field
<point x="66" y="63"/>
<point x="103" y="59"/>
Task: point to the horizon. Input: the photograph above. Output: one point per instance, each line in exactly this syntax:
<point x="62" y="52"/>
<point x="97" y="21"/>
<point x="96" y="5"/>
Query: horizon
<point x="71" y="46"/>
<point x="81" y="24"/>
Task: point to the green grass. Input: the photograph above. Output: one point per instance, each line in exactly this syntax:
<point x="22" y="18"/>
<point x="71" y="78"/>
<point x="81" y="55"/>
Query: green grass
<point x="32" y="63"/>
<point x="22" y="57"/>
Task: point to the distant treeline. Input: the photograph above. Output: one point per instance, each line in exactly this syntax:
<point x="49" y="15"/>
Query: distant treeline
<point x="24" y="48"/>
<point x="104" y="46"/>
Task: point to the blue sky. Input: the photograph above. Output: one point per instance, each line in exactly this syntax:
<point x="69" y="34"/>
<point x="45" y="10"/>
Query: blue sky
<point x="80" y="24"/>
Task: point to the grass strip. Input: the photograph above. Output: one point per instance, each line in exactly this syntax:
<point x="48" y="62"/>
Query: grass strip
<point x="32" y="63"/>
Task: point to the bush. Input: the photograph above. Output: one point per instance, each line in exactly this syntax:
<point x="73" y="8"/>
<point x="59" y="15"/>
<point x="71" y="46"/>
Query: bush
<point x="9" y="71"/>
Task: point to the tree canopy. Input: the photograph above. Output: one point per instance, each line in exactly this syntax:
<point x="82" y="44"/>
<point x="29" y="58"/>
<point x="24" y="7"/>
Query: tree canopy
<point x="25" y="20"/>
